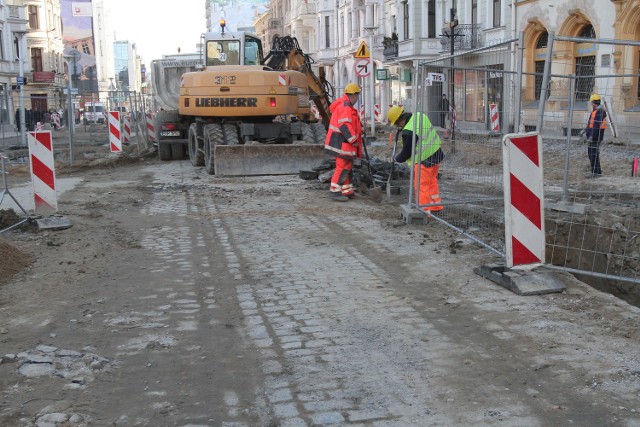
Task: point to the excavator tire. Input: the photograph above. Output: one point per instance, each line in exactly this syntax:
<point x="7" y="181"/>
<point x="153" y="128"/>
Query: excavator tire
<point x="196" y="146"/>
<point x="230" y="134"/>
<point x="319" y="132"/>
<point x="307" y="134"/>
<point x="212" y="136"/>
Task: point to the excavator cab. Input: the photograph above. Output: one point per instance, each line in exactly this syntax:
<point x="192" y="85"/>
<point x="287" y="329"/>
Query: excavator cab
<point x="226" y="49"/>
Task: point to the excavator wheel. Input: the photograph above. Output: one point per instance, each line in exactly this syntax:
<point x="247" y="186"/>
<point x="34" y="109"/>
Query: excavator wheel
<point x="307" y="134"/>
<point x="230" y="134"/>
<point x="196" y="146"/>
<point x="212" y="136"/>
<point x="319" y="132"/>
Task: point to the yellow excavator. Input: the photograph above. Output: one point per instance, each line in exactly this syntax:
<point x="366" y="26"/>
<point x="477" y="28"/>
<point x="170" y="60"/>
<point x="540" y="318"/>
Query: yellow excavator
<point x="250" y="114"/>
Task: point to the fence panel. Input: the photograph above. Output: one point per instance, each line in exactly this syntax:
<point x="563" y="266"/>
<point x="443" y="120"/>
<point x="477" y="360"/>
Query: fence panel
<point x="594" y="227"/>
<point x="80" y="137"/>
<point x="478" y="86"/>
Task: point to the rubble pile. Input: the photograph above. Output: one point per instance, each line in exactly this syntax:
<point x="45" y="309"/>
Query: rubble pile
<point x="380" y="171"/>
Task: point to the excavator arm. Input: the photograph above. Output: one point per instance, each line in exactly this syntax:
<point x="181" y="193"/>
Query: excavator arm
<point x="286" y="54"/>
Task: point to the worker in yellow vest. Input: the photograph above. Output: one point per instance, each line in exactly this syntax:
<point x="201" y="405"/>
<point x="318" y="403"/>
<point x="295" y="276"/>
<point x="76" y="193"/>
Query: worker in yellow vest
<point x="417" y="129"/>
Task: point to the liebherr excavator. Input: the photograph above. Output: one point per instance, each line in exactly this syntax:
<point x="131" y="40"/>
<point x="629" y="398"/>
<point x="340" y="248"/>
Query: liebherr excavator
<point x="249" y="114"/>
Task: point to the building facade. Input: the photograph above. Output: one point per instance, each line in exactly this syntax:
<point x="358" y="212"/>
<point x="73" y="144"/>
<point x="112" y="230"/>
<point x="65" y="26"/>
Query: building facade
<point x="404" y="33"/>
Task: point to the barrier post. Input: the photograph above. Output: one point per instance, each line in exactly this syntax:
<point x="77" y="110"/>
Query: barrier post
<point x="524" y="220"/>
<point x="43" y="174"/>
<point x="495" y="117"/>
<point x="114" y="132"/>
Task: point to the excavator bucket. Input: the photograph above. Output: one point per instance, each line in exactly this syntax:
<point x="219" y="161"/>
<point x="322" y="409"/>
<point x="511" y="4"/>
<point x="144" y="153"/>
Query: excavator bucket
<point x="266" y="159"/>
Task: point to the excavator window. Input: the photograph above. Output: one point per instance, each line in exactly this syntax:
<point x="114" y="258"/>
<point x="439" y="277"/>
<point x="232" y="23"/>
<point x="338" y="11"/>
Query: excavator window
<point x="252" y="51"/>
<point x="223" y="52"/>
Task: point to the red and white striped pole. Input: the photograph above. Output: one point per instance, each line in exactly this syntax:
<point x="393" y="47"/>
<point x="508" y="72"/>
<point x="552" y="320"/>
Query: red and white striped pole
<point x="495" y="117"/>
<point x="151" y="131"/>
<point x="114" y="132"/>
<point x="126" y="134"/>
<point x="523" y="199"/>
<point x="43" y="173"/>
<point x="376" y="112"/>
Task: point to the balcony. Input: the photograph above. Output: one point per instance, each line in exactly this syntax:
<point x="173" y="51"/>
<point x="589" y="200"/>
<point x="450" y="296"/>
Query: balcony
<point x="390" y="47"/>
<point x="467" y="37"/>
<point x="275" y="23"/>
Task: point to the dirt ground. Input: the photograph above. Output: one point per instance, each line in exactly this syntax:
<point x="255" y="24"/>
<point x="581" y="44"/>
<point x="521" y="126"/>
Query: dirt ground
<point x="182" y="299"/>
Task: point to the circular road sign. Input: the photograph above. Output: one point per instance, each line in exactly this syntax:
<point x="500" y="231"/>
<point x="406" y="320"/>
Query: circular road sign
<point x="363" y="67"/>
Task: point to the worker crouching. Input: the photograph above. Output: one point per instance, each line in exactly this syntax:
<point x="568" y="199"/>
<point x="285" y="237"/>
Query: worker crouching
<point x="344" y="141"/>
<point x="427" y="155"/>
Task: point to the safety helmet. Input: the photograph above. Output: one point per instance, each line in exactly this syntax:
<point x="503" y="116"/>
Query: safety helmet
<point x="595" y="97"/>
<point x="394" y="113"/>
<point x="352" y="88"/>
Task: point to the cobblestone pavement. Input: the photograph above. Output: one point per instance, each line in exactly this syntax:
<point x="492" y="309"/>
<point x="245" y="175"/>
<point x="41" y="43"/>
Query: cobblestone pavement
<point x="180" y="299"/>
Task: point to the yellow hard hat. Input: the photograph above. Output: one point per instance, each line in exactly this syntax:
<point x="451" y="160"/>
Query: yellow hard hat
<point x="351" y="89"/>
<point x="394" y="113"/>
<point x="595" y="97"/>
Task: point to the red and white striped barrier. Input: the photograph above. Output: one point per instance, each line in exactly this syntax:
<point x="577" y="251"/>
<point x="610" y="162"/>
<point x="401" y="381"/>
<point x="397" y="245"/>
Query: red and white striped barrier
<point x="495" y="117"/>
<point x="151" y="131"/>
<point x="634" y="167"/>
<point x="126" y="131"/>
<point x="43" y="172"/>
<point x="282" y="80"/>
<point x="362" y="113"/>
<point x="523" y="199"/>
<point x="114" y="132"/>
<point x="376" y="113"/>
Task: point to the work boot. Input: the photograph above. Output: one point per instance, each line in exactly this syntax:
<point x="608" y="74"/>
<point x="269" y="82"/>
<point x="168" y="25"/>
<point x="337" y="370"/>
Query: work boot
<point x="338" y="197"/>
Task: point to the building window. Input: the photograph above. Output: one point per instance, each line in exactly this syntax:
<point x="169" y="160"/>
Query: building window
<point x="541" y="47"/>
<point x="36" y="59"/>
<point x="327" y="32"/>
<point x="431" y="19"/>
<point x="1" y="45"/>
<point x="34" y="24"/>
<point x="585" y="64"/>
<point x="405" y="19"/>
<point x="474" y="22"/>
<point x="497" y="6"/>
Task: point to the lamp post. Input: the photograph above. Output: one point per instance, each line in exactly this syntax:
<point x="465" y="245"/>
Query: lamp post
<point x="70" y="60"/>
<point x="23" y="125"/>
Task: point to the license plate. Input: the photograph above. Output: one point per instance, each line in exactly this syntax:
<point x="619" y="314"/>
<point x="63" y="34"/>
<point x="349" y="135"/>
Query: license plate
<point x="170" y="133"/>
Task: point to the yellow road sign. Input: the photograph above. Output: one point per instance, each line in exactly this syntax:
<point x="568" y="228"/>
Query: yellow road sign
<point x="362" y="51"/>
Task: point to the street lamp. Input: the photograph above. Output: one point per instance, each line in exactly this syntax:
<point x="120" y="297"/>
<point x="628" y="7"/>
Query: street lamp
<point x="70" y="59"/>
<point x="23" y="125"/>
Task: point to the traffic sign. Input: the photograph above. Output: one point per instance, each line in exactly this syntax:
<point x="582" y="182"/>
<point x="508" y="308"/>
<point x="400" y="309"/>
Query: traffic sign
<point x="21" y="80"/>
<point x="362" y="67"/>
<point x="362" y="51"/>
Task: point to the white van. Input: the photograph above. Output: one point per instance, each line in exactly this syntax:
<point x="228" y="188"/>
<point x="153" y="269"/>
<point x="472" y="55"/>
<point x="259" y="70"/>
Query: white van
<point x="94" y="113"/>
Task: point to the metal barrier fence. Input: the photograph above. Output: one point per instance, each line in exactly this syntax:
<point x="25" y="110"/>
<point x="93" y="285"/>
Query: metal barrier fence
<point x="592" y="221"/>
<point x="483" y="106"/>
<point x="593" y="227"/>
<point x="76" y="138"/>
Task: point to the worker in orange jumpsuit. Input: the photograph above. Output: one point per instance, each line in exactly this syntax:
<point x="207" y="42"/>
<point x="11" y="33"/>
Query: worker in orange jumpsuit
<point x="417" y="129"/>
<point x="344" y="141"/>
